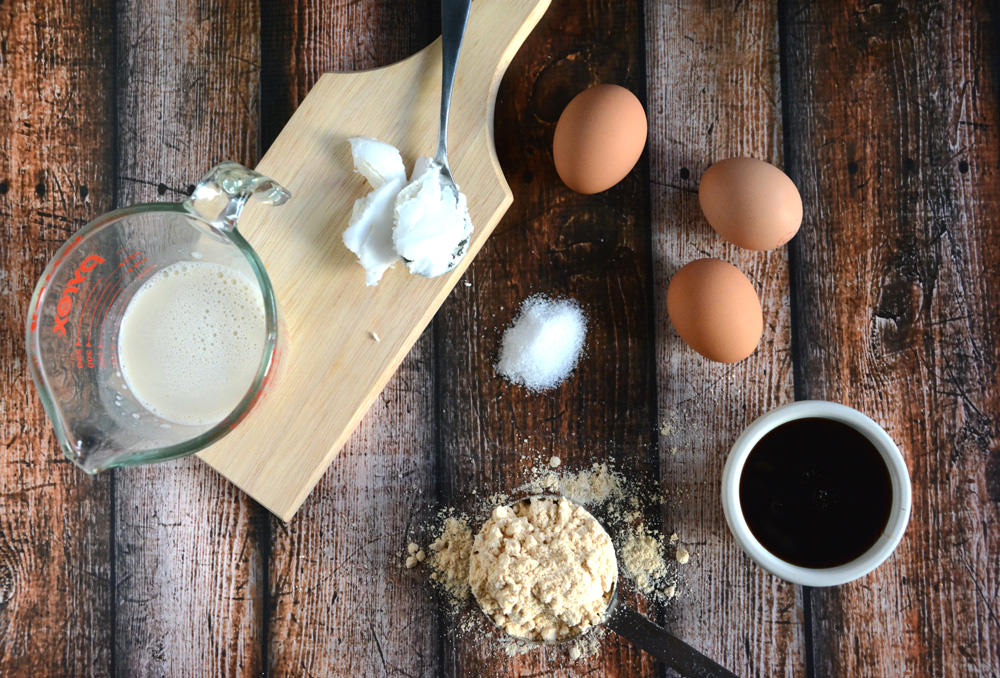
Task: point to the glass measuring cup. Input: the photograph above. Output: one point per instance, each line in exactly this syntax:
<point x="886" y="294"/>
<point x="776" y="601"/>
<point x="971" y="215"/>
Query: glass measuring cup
<point x="76" y="312"/>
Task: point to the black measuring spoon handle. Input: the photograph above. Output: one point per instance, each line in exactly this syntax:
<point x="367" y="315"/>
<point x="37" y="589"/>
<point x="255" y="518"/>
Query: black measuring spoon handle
<point x="669" y="649"/>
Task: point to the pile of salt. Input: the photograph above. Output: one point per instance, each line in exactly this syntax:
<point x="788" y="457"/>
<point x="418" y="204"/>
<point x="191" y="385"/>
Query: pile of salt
<point x="543" y="346"/>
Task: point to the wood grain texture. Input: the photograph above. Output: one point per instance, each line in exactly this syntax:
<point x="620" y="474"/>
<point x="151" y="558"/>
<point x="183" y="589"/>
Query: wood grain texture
<point x="594" y="249"/>
<point x="56" y="173"/>
<point x="303" y="39"/>
<point x="188" y="562"/>
<point x="715" y="92"/>
<point x="894" y="136"/>
<point x="341" y="605"/>
<point x="891" y="126"/>
<point x="335" y="367"/>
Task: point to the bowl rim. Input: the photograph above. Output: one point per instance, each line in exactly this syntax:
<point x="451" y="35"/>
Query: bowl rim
<point x="899" y="476"/>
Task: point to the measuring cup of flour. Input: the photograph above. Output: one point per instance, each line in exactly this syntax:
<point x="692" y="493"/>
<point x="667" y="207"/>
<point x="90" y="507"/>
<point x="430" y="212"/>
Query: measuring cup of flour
<point x="154" y="329"/>
<point x="544" y="570"/>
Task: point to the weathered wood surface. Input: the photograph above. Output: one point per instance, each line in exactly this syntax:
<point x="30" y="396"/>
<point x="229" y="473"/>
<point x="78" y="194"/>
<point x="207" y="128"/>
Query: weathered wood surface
<point x="714" y="92"/>
<point x="885" y="115"/>
<point x="350" y="338"/>
<point x="56" y="173"/>
<point x="893" y="136"/>
<point x="188" y="562"/>
<point x="340" y="602"/>
<point x="594" y="249"/>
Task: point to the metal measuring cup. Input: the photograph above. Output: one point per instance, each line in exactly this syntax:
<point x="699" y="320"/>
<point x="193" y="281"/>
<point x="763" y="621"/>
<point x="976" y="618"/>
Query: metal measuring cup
<point x="628" y="623"/>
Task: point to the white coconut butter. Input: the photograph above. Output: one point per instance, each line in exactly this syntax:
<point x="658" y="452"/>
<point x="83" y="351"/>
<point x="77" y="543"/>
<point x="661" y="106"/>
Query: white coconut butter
<point x="431" y="225"/>
<point x="424" y="224"/>
<point x="369" y="234"/>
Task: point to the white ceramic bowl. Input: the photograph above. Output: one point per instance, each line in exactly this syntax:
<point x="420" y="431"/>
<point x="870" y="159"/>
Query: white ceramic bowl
<point x="898" y="473"/>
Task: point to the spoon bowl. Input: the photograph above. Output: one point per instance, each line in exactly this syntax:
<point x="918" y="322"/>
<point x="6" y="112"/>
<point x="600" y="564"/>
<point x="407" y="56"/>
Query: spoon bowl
<point x="454" y="19"/>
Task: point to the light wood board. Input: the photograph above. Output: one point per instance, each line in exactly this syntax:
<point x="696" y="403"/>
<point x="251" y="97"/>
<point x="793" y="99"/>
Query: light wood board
<point x="334" y="367"/>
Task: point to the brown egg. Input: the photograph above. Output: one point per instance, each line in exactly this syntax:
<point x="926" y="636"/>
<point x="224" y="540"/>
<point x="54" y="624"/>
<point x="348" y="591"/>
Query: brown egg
<point x="715" y="309"/>
<point x="750" y="203"/>
<point x="599" y="138"/>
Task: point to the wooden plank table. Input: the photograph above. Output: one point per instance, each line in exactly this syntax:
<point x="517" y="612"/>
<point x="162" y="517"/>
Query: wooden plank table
<point x="884" y="114"/>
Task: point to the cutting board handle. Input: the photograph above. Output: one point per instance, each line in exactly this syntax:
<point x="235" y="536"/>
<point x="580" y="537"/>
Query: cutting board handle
<point x="496" y="44"/>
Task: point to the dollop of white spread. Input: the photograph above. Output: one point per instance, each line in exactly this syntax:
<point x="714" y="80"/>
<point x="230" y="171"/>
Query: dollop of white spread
<point x="427" y="226"/>
<point x="432" y="225"/>
<point x="369" y="234"/>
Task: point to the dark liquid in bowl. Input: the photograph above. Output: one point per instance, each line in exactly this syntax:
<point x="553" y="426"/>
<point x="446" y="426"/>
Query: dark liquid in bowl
<point x="816" y="493"/>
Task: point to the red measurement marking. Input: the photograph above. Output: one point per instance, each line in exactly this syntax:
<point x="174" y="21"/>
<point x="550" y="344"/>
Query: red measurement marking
<point x="51" y="268"/>
<point x="118" y="317"/>
<point x="72" y="290"/>
<point x="71" y="246"/>
<point x="34" y="314"/>
<point x="112" y="282"/>
<point x="101" y="310"/>
<point x="101" y="285"/>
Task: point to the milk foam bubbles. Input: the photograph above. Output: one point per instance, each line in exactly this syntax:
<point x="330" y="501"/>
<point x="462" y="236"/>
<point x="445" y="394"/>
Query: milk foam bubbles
<point x="191" y="341"/>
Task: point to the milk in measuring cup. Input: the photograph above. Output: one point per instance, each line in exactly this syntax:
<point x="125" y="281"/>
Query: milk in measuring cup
<point x="191" y="340"/>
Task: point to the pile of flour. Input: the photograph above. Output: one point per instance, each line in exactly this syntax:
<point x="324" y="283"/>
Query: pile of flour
<point x="648" y="561"/>
<point x="543" y="569"/>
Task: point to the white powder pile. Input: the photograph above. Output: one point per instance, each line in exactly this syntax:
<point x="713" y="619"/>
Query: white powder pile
<point x="543" y="346"/>
<point x="543" y="569"/>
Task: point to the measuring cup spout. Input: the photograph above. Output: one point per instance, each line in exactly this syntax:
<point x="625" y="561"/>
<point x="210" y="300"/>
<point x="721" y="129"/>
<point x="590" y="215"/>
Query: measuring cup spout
<point x="220" y="196"/>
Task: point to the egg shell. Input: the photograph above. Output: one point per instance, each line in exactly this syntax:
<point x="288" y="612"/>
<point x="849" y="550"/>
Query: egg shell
<point x="599" y="138"/>
<point x="715" y="310"/>
<point x="750" y="203"/>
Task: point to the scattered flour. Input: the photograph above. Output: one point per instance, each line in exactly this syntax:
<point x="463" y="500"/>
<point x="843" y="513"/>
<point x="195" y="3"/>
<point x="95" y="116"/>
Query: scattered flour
<point x="642" y="554"/>
<point x="449" y="557"/>
<point x="596" y="485"/>
<point x="543" y="346"/>
<point x="642" y="558"/>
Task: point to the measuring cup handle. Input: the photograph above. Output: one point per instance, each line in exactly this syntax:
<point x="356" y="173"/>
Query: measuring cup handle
<point x="672" y="651"/>
<point x="220" y="196"/>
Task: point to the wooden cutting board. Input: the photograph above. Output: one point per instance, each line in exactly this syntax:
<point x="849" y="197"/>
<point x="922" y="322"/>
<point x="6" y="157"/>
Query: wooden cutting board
<point x="333" y="367"/>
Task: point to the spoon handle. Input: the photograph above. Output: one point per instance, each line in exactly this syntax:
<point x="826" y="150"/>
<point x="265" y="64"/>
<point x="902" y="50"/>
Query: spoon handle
<point x="454" y="17"/>
<point x="666" y="647"/>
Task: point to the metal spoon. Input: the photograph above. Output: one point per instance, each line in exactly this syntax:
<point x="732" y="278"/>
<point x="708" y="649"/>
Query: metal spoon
<point x="626" y="621"/>
<point x="454" y="18"/>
